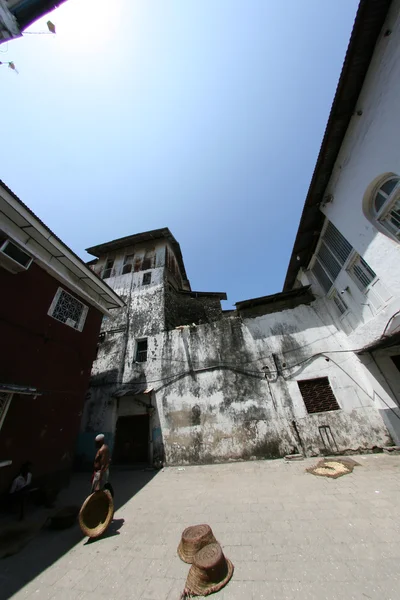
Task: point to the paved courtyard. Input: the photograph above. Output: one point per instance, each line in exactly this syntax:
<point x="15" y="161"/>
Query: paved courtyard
<point x="290" y="535"/>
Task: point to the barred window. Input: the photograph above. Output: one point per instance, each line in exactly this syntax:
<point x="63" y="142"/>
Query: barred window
<point x="318" y="395"/>
<point x="68" y="309"/>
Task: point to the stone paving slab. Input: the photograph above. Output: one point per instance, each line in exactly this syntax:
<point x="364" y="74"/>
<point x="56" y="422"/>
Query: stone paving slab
<point x="289" y="534"/>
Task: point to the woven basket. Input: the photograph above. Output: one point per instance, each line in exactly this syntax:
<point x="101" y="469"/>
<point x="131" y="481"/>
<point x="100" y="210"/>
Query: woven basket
<point x="209" y="572"/>
<point x="96" y="514"/>
<point x="193" y="539"/>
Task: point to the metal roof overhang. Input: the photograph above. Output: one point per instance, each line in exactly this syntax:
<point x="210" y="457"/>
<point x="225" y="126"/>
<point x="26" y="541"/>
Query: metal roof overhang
<point x="50" y="252"/>
<point x="28" y="11"/>
<point x="382" y="343"/>
<point x="297" y="292"/>
<point x="11" y="388"/>
<point x="369" y="20"/>
<point x="133" y="390"/>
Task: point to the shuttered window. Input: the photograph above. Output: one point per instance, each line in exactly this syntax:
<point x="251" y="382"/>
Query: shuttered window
<point x="333" y="252"/>
<point x="340" y="303"/>
<point x="337" y="243"/>
<point x="322" y="277"/>
<point x="361" y="273"/>
<point x="318" y="395"/>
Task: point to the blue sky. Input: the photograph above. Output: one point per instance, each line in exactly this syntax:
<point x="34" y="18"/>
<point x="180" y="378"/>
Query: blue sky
<point x="204" y="116"/>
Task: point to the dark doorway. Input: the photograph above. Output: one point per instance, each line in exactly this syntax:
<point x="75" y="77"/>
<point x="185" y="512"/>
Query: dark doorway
<point x="131" y="440"/>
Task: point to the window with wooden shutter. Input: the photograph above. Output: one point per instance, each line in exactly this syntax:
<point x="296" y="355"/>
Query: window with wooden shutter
<point x="318" y="395"/>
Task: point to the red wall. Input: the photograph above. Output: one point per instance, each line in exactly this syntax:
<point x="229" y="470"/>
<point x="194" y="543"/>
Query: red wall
<point x="38" y="351"/>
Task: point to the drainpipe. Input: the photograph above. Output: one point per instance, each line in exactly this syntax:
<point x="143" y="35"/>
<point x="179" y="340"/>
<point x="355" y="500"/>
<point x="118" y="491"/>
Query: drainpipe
<point x="121" y="369"/>
<point x="294" y="422"/>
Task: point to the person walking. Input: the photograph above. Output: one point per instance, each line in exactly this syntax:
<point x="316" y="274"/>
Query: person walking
<point x="101" y="464"/>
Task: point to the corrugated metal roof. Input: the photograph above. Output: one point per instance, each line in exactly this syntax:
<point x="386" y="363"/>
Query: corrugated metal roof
<point x="297" y="292"/>
<point x="24" y="221"/>
<point x="369" y="20"/>
<point x="12" y="388"/>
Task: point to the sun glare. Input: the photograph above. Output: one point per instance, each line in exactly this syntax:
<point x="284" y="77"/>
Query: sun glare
<point x="86" y="25"/>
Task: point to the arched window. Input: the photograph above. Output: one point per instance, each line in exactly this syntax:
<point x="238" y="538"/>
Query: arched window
<point x="384" y="205"/>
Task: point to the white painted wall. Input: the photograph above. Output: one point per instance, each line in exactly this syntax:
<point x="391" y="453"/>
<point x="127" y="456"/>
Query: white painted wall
<point x="371" y="148"/>
<point x="242" y="417"/>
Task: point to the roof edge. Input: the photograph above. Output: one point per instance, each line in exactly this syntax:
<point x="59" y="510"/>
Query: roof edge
<point x="69" y="254"/>
<point x="273" y="297"/>
<point x="370" y="17"/>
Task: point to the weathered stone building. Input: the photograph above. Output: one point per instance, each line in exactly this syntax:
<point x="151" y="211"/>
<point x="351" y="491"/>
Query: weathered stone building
<point x="314" y="369"/>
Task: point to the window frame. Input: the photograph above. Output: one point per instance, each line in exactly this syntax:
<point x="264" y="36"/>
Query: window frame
<point x="9" y="241"/>
<point x="334" y="293"/>
<point x="82" y="318"/>
<point x="128" y="263"/>
<point x="346" y="267"/>
<point x="315" y="379"/>
<point x="380" y="216"/>
<point x="334" y="255"/>
<point x="108" y="269"/>
<point x="146" y="276"/>
<point x="138" y="352"/>
<point x="357" y="281"/>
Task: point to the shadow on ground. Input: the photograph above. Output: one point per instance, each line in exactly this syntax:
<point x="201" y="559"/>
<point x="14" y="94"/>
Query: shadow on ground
<point x="50" y="545"/>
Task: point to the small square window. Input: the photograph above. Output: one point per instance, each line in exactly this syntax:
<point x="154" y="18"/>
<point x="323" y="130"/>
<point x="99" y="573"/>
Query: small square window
<point x="68" y="309"/>
<point x="318" y="395"/>
<point x="141" y="351"/>
<point x="146" y="279"/>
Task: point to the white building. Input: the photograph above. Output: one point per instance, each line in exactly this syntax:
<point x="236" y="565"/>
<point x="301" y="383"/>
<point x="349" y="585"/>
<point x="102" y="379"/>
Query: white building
<point x="348" y="242"/>
<point x="314" y="369"/>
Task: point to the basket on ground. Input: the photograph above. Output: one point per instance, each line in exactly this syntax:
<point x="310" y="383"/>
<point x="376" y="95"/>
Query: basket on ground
<point x="193" y="539"/>
<point x="96" y="514"/>
<point x="210" y="571"/>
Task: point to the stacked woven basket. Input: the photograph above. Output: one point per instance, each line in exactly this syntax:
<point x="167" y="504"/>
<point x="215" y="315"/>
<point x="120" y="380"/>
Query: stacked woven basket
<point x="210" y="570"/>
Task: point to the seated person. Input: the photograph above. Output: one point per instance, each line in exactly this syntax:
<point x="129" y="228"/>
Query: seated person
<point x="20" y="487"/>
<point x="23" y="480"/>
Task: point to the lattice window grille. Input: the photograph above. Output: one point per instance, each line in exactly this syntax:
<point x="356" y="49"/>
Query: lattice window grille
<point x="318" y="395"/>
<point x="68" y="309"/>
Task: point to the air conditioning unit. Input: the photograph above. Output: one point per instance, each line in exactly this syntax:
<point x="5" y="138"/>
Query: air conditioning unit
<point x="13" y="258"/>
